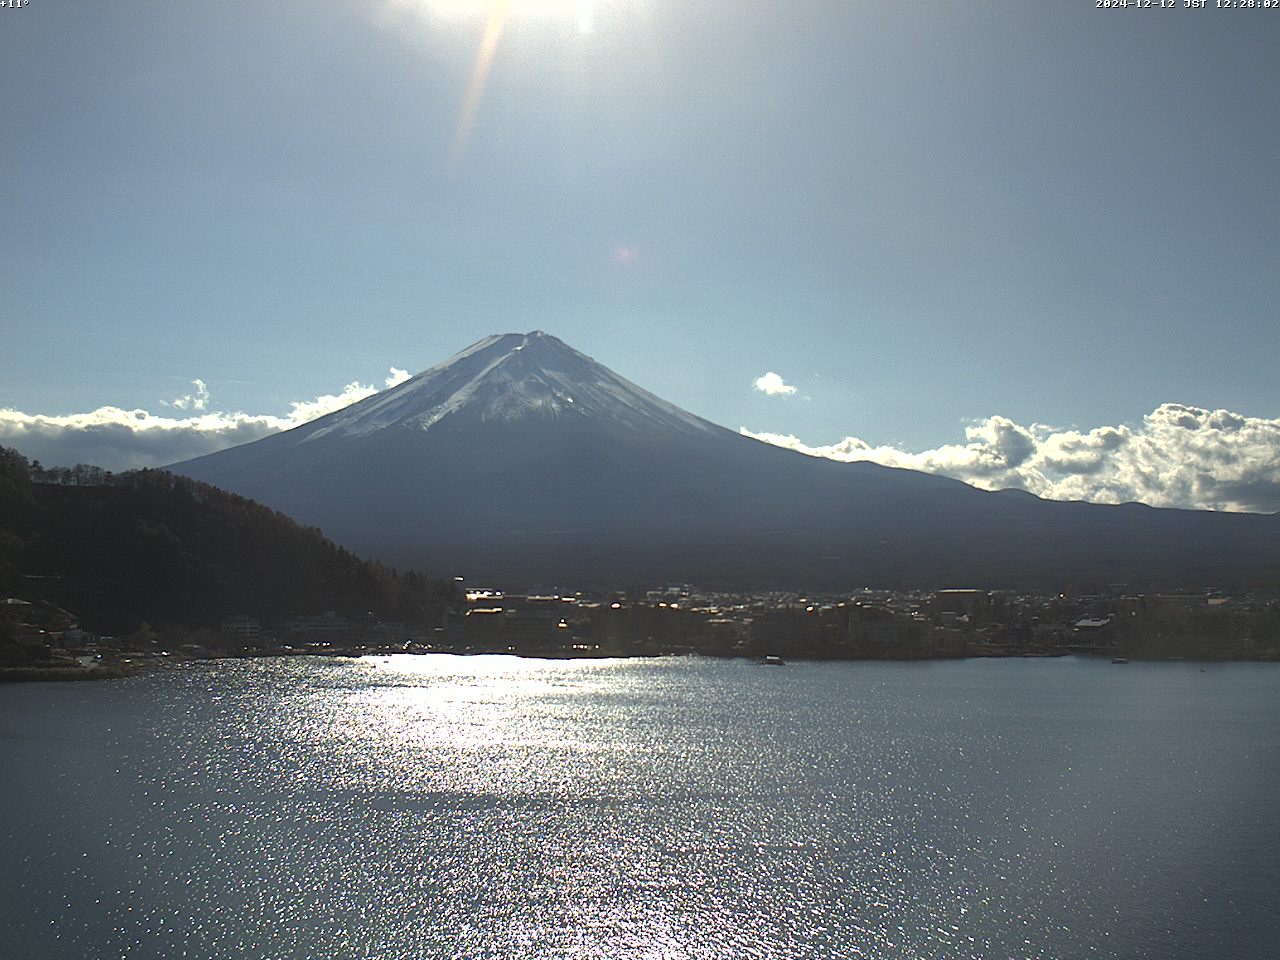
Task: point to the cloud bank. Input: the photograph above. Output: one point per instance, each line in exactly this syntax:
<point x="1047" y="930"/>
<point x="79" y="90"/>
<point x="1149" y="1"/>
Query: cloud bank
<point x="774" y="385"/>
<point x="1179" y="456"/>
<point x="120" y="439"/>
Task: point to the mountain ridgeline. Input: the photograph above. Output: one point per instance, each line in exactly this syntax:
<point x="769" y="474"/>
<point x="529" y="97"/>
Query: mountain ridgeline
<point x="523" y="461"/>
<point x="151" y="546"/>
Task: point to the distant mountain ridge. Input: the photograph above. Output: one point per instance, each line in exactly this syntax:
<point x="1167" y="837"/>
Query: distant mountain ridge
<point x="522" y="460"/>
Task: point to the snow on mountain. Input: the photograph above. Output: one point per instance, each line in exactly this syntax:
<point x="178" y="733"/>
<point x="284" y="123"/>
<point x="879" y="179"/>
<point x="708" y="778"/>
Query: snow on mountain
<point x="510" y="377"/>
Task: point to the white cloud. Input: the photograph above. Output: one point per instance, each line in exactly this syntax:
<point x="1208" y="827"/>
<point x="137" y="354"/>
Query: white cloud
<point x="128" y="439"/>
<point x="303" y="411"/>
<point x="192" y="401"/>
<point x="1180" y="456"/>
<point x="774" y="385"/>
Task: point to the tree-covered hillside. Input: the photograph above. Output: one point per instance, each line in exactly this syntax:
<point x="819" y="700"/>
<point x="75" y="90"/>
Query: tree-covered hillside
<point x="149" y="545"/>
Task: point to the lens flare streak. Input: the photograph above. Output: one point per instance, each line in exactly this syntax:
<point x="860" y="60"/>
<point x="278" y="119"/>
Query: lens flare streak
<point x="479" y="77"/>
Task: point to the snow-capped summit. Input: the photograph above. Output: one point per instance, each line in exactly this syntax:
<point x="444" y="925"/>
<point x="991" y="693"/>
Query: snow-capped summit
<point x="520" y="460"/>
<point x="508" y="377"/>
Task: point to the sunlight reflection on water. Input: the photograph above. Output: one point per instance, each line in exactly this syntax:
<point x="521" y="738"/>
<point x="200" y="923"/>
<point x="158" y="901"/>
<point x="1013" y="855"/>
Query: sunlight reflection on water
<point x="413" y="807"/>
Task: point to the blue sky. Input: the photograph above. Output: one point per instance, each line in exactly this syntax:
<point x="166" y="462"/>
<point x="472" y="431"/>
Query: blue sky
<point x="921" y="216"/>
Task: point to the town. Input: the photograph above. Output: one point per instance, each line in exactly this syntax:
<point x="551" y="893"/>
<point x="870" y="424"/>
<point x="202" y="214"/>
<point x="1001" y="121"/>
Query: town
<point x="677" y="619"/>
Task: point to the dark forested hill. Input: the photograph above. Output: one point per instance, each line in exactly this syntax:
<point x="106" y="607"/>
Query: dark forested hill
<point x="149" y="545"/>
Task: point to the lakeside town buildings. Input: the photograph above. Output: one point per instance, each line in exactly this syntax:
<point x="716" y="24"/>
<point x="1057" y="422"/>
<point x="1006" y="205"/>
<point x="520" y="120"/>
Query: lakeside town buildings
<point x="679" y="618"/>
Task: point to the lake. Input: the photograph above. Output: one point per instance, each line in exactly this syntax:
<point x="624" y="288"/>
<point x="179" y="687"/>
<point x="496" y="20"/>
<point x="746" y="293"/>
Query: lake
<point x="493" y="807"/>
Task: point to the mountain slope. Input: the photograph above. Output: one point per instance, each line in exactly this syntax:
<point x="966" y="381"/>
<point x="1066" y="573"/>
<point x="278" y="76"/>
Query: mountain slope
<point x="524" y="460"/>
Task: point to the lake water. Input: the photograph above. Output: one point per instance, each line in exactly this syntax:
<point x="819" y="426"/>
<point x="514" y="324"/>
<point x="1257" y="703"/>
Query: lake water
<point x="491" y="807"/>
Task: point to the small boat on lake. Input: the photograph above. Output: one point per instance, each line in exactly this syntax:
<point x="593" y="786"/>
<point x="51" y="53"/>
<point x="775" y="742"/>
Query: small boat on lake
<point x="772" y="661"/>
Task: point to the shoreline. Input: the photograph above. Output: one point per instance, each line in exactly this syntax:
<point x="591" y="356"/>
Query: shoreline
<point x="30" y="673"/>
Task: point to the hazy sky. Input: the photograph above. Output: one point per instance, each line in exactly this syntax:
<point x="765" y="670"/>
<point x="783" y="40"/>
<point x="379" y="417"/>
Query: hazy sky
<point x="918" y="215"/>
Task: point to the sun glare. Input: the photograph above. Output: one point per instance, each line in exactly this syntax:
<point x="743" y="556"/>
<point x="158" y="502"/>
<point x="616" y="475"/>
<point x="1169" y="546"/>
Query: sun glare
<point x="495" y="14"/>
<point x="570" y="10"/>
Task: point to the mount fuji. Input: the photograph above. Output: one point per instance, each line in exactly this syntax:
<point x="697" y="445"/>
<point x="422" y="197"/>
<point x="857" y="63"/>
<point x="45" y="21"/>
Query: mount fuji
<point x="521" y="460"/>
